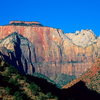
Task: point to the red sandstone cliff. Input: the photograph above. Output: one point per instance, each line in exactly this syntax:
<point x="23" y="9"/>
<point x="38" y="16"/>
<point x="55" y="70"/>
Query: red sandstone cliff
<point x="46" y="50"/>
<point x="90" y="77"/>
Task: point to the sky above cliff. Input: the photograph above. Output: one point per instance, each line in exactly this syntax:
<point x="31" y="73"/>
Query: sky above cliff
<point x="68" y="15"/>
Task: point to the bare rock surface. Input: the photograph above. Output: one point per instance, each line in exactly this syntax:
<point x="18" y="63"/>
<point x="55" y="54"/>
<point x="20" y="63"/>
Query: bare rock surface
<point x="48" y="51"/>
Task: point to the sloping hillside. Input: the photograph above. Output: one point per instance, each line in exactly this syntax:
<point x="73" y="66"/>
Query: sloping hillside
<point x="15" y="86"/>
<point x="91" y="77"/>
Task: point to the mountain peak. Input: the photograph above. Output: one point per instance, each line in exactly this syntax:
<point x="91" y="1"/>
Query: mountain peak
<point x="87" y="32"/>
<point x="82" y="38"/>
<point x="12" y="39"/>
<point x="47" y="50"/>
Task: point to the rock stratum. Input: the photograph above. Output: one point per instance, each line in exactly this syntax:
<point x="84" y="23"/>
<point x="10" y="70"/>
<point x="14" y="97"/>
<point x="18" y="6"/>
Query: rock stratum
<point x="34" y="48"/>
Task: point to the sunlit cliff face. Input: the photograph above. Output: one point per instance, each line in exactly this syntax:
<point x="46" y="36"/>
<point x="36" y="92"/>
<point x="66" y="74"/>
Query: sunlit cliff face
<point x="34" y="48"/>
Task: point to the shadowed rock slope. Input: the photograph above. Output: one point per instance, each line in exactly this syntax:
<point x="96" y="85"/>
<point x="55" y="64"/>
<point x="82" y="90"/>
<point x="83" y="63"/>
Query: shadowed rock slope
<point x="17" y="86"/>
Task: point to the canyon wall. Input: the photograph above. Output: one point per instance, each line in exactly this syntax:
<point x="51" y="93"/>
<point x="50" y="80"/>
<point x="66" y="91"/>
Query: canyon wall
<point x="32" y="47"/>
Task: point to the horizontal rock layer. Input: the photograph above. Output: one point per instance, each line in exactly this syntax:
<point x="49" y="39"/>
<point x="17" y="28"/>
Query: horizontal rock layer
<point x="23" y="23"/>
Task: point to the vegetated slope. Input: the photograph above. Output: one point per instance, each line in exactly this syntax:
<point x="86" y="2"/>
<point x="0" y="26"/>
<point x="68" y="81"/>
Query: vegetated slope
<point x="15" y="86"/>
<point x="32" y="47"/>
<point x="91" y="78"/>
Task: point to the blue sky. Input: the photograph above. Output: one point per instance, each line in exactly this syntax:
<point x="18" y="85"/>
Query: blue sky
<point x="68" y="15"/>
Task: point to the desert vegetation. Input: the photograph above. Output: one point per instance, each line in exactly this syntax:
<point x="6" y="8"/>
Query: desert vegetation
<point x="15" y="86"/>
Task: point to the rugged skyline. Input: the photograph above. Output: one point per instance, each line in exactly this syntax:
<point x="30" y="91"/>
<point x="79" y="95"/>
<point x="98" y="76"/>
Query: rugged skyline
<point x="68" y="15"/>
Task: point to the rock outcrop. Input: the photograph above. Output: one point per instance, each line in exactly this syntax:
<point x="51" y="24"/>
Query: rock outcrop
<point x="82" y="38"/>
<point x="91" y="78"/>
<point x="32" y="47"/>
<point x="23" y="23"/>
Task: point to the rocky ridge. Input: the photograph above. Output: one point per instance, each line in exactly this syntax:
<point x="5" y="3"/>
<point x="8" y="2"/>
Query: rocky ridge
<point x="46" y="50"/>
<point x="82" y="38"/>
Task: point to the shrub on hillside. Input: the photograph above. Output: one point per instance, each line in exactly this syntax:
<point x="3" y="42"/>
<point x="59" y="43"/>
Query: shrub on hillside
<point x="34" y="88"/>
<point x="20" y="96"/>
<point x="8" y="90"/>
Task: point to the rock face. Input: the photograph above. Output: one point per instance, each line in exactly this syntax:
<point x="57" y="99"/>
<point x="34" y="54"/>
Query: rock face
<point x="91" y="78"/>
<point x="82" y="38"/>
<point x="31" y="47"/>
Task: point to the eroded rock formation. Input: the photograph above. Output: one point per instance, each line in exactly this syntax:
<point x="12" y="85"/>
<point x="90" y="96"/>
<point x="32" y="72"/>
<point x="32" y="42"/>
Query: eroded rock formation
<point x="32" y="47"/>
